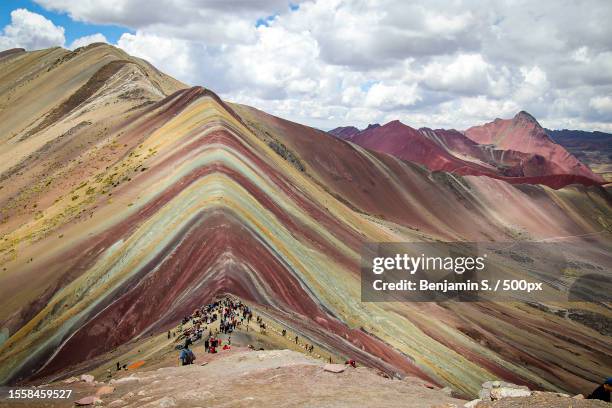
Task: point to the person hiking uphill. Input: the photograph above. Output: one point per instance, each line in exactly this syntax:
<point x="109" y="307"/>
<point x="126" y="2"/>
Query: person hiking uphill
<point x="186" y="357"/>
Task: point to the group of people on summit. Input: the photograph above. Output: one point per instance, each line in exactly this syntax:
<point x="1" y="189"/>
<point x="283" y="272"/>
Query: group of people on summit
<point x="230" y="313"/>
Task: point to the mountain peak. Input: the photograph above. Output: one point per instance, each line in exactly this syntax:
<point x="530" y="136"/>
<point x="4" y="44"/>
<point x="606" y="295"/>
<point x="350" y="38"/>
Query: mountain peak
<point x="11" y="51"/>
<point x="344" y="132"/>
<point x="525" y="116"/>
<point x="394" y="124"/>
<point x="524" y="134"/>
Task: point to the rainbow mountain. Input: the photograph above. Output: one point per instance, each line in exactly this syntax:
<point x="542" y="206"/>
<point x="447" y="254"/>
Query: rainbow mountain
<point x="127" y="199"/>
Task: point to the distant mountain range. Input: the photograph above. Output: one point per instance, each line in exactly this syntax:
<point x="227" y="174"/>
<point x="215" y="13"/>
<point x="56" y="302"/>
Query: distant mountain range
<point x="592" y="148"/>
<point x="516" y="150"/>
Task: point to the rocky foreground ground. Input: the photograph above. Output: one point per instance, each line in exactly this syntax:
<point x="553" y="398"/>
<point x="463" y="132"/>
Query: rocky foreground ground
<point x="247" y="378"/>
<point x="273" y="378"/>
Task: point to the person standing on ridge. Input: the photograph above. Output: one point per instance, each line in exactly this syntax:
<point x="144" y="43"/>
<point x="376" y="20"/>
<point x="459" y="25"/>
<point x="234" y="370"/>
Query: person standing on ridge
<point x="186" y="357"/>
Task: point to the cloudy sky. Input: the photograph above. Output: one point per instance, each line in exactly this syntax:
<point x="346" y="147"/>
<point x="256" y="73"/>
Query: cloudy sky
<point x="327" y="63"/>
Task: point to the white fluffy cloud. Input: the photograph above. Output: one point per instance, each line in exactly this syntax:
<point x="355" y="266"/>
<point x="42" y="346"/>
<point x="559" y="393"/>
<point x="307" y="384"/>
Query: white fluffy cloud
<point x="30" y="31"/>
<point x="602" y="104"/>
<point x="440" y="63"/>
<point x="463" y="73"/>
<point x="87" y="39"/>
<point x="169" y="55"/>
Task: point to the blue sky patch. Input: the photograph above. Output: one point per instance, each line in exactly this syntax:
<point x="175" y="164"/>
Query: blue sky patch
<point x="73" y="29"/>
<point x="265" y="21"/>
